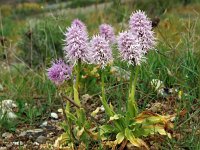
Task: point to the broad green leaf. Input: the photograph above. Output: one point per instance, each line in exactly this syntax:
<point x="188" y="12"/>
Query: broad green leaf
<point x="161" y="130"/>
<point x="154" y="119"/>
<point x="152" y="129"/>
<point x="149" y="118"/>
<point x="135" y="141"/>
<point x="119" y="138"/>
<point x="62" y="140"/>
<point x="106" y="129"/>
<point x="129" y="135"/>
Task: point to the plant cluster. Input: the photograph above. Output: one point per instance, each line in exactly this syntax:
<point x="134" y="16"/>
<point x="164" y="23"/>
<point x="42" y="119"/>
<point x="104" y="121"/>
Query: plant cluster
<point x="120" y="128"/>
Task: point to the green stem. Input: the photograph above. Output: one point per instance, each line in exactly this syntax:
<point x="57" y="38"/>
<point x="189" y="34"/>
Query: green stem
<point x="76" y="88"/>
<point x="79" y="112"/>
<point x="131" y="78"/>
<point x="103" y="100"/>
<point x="132" y="105"/>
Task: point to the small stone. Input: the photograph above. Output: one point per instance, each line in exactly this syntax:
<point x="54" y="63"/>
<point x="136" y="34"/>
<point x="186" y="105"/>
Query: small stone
<point x="35" y="131"/>
<point x="11" y="115"/>
<point x="54" y="115"/>
<point x="18" y="143"/>
<point x="9" y="145"/>
<point x="36" y="143"/>
<point x="171" y="90"/>
<point x="31" y="137"/>
<point x="41" y="139"/>
<point x="8" y="104"/>
<point x="7" y="107"/>
<point x="22" y="134"/>
<point x="3" y="148"/>
<point x="7" y="135"/>
<point x="44" y="124"/>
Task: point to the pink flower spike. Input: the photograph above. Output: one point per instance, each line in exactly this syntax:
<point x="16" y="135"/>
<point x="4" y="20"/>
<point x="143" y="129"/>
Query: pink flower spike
<point x="101" y="53"/>
<point x="141" y="26"/>
<point x="76" y="44"/>
<point x="107" y="31"/>
<point x="130" y="49"/>
<point x="59" y="72"/>
<point x="80" y="24"/>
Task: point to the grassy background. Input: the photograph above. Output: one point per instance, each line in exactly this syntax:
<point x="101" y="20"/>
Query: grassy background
<point x="33" y="34"/>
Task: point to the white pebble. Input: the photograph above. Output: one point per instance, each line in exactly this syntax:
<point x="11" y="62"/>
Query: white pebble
<point x="44" y="124"/>
<point x="18" y="143"/>
<point x="54" y="115"/>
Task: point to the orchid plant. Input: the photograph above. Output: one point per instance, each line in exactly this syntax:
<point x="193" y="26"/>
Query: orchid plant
<point x="133" y="44"/>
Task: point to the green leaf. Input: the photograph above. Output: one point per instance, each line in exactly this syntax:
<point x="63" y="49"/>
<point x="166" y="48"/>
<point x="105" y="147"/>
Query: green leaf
<point x="135" y="141"/>
<point x="152" y="129"/>
<point x="64" y="139"/>
<point x="119" y="138"/>
<point x="129" y="135"/>
<point x="76" y="98"/>
<point x="115" y="117"/>
<point x="154" y="119"/>
<point x="106" y="129"/>
<point x="71" y="116"/>
<point x="82" y="116"/>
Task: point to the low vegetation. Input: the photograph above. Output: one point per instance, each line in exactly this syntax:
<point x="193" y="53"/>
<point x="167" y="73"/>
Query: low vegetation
<point x="168" y="83"/>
